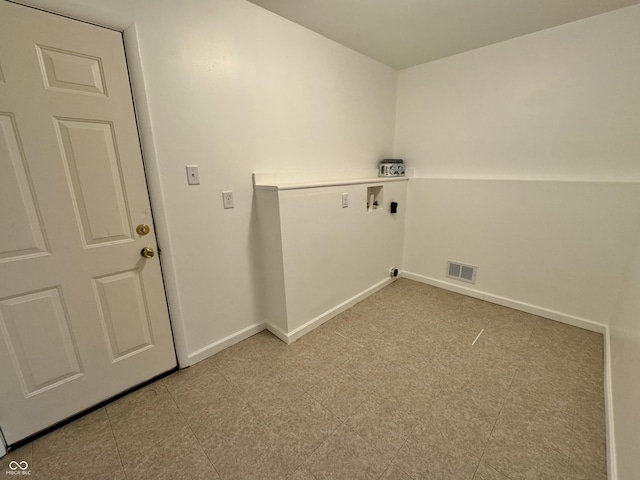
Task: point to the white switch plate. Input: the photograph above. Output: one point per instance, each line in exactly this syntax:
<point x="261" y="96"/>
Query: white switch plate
<point x="345" y="200"/>
<point x="227" y="199"/>
<point x="193" y="176"/>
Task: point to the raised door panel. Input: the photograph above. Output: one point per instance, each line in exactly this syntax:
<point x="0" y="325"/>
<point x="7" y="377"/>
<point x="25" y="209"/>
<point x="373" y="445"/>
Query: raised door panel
<point x="39" y="339"/>
<point x="94" y="172"/>
<point x="124" y="312"/>
<point x="22" y="234"/>
<point x="71" y="71"/>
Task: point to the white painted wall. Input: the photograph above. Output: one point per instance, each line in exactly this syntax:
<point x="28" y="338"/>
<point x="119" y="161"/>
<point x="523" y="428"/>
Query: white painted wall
<point x="320" y="256"/>
<point x="560" y="246"/>
<point x="235" y="89"/>
<point x="625" y="359"/>
<point x="559" y="107"/>
<point x="560" y="104"/>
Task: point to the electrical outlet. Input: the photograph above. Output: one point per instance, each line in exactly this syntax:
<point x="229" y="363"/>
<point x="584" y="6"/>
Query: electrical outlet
<point x="227" y="199"/>
<point x="345" y="200"/>
<point x="193" y="176"/>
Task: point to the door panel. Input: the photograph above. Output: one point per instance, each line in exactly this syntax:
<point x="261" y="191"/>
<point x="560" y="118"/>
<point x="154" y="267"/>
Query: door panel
<point x="17" y="202"/>
<point x="40" y="342"/>
<point x="82" y="315"/>
<point x="124" y="313"/>
<point x="71" y="71"/>
<point x="95" y="177"/>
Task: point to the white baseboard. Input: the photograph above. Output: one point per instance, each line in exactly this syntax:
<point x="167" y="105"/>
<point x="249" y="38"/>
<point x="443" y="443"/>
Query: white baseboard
<point x="612" y="469"/>
<point x="508" y="302"/>
<point x="226" y="342"/>
<point x="326" y="316"/>
<point x="278" y="332"/>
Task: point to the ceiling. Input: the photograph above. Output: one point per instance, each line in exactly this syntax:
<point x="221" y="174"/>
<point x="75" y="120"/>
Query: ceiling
<point x="403" y="33"/>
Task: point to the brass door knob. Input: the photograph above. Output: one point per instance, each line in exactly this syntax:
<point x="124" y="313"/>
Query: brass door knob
<point x="147" y="252"/>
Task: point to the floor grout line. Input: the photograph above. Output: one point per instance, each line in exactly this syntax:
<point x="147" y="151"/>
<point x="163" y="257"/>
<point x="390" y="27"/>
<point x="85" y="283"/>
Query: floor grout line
<point x="494" y="426"/>
<point x="115" y="441"/>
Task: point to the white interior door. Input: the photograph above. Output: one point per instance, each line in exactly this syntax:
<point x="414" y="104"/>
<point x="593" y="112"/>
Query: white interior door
<point x="83" y="315"/>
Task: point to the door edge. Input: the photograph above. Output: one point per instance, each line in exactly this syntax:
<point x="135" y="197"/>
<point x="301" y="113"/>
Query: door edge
<point x="154" y="188"/>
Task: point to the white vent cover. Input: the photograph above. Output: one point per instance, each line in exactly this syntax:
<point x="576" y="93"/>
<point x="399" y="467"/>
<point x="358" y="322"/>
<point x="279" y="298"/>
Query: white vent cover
<point x="461" y="271"/>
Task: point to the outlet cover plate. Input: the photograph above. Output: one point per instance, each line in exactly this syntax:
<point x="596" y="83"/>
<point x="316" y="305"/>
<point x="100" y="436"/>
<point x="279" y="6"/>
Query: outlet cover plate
<point x="227" y="199"/>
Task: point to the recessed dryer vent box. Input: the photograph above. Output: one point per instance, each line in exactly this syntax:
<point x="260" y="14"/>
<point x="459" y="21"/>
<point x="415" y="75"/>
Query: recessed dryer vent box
<point x="374" y="198"/>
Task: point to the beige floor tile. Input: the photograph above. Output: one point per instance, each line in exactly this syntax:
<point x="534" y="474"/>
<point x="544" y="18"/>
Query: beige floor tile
<point x="178" y="456"/>
<point x="383" y="306"/>
<point x="361" y="329"/>
<point x="301" y="428"/>
<point x="306" y="375"/>
<point x="220" y="425"/>
<point x="553" y="430"/>
<point x="382" y="424"/>
<point x="588" y="457"/>
<point x="551" y="378"/>
<point x="192" y="378"/>
<point x="339" y="392"/>
<point x="410" y="395"/>
<point x="84" y="448"/>
<point x="589" y="418"/>
<point x="453" y="430"/>
<point x="194" y="390"/>
<point x="553" y="340"/>
<point x="522" y="457"/>
<point x="242" y="370"/>
<point x="505" y="333"/>
<point x="483" y="363"/>
<point x="142" y="419"/>
<point x="271" y="393"/>
<point x="263" y="344"/>
<point x="346" y="455"/>
<point x="435" y="461"/>
<point x="590" y="382"/>
<point x="245" y="362"/>
<point x="301" y="474"/>
<point x="368" y="367"/>
<point x="251" y="450"/>
<point x="473" y="399"/>
<point x="321" y="348"/>
<point x="541" y="412"/>
<point x="484" y="472"/>
<point x="394" y="473"/>
<point x="208" y="402"/>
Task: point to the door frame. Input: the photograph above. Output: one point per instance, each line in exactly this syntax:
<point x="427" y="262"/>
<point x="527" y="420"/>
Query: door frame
<point x="154" y="187"/>
<point x="129" y="32"/>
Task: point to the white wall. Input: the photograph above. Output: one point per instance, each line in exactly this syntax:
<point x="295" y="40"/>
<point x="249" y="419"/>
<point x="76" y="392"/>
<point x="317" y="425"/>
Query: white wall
<point x="625" y="360"/>
<point x="559" y="107"/>
<point x="560" y="104"/>
<point x="321" y="257"/>
<point x="235" y="89"/>
<point x="559" y="246"/>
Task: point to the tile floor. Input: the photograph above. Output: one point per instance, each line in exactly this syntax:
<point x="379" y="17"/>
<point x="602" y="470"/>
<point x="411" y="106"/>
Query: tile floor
<point x="392" y="389"/>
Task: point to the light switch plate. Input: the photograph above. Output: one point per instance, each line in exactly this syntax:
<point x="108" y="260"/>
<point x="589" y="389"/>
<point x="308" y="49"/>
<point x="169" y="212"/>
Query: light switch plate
<point x="193" y="176"/>
<point x="345" y="200"/>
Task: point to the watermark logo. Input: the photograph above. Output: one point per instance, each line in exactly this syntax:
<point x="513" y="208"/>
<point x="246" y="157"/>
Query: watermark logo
<point x="18" y="468"/>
